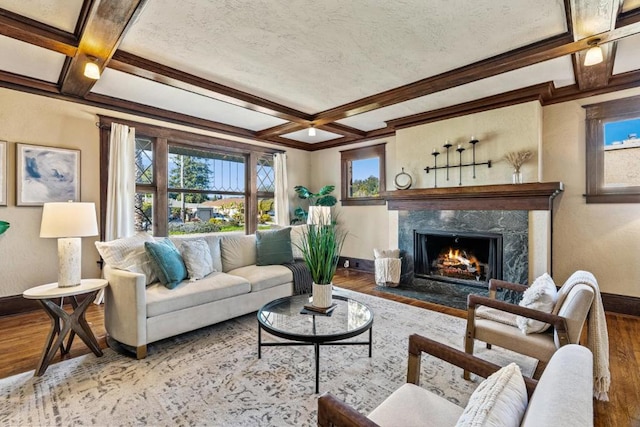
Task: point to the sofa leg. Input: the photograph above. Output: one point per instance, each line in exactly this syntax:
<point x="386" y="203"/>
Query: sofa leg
<point x="141" y="352"/>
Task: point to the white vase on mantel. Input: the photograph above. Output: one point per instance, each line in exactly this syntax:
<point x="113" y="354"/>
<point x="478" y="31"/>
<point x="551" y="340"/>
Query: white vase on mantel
<point x="517" y="176"/>
<point x="322" y="295"/>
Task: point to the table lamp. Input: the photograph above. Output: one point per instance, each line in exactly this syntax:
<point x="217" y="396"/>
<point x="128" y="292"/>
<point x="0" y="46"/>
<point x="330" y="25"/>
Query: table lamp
<point x="68" y="222"/>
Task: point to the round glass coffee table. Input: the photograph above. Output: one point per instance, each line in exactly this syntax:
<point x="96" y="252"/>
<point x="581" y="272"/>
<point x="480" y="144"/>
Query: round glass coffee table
<point x="283" y="319"/>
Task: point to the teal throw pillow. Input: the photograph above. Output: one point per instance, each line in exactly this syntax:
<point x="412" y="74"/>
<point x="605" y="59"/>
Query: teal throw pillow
<point x="166" y="262"/>
<point x="274" y="247"/>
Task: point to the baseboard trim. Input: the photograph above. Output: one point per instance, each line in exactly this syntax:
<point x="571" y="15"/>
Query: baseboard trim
<point x="621" y="304"/>
<point x="17" y="304"/>
<point x="365" y="265"/>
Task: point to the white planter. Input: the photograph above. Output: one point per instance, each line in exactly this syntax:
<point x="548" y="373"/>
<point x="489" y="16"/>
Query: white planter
<point x="322" y="295"/>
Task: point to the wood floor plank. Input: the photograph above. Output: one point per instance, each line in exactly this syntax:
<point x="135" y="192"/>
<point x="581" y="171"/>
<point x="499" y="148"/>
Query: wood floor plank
<point x="23" y="336"/>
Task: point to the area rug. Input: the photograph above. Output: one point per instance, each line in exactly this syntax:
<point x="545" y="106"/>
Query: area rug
<point x="213" y="376"/>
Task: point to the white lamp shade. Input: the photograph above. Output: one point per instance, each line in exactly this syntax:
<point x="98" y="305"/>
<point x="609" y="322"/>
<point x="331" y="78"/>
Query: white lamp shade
<point x="69" y="219"/>
<point x="91" y="70"/>
<point x="593" y="56"/>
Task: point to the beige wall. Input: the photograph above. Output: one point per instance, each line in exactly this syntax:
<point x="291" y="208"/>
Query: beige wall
<point x="367" y="225"/>
<point x="26" y="260"/>
<point x="601" y="238"/>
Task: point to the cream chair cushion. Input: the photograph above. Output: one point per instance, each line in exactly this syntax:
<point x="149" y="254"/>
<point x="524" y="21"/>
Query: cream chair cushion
<point x="540" y="296"/>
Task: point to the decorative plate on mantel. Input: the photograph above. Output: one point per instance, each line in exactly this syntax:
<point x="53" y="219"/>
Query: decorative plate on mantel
<point x="403" y="181"/>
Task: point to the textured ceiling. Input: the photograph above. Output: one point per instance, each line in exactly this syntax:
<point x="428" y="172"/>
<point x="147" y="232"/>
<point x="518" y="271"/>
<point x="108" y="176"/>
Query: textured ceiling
<point x="315" y="56"/>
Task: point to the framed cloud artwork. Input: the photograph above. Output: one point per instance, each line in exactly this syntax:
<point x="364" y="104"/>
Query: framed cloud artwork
<point x="3" y="173"/>
<point x="46" y="174"/>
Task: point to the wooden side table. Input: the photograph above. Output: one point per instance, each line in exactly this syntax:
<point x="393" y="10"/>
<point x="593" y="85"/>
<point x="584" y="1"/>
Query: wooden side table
<point x="64" y="323"/>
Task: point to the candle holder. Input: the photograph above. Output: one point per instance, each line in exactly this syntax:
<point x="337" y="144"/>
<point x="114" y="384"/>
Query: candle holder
<point x="460" y="165"/>
<point x="435" y="155"/>
<point x="460" y="149"/>
<point x="473" y="143"/>
<point x="447" y="145"/>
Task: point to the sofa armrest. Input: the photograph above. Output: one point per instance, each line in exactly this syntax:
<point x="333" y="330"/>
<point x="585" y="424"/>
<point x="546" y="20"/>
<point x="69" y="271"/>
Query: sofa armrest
<point x="558" y="322"/>
<point x="125" y="306"/>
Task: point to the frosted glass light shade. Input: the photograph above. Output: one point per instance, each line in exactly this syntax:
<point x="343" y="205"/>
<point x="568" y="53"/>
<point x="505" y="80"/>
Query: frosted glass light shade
<point x="593" y="56"/>
<point x="312" y="131"/>
<point x="91" y="70"/>
<point x="69" y="219"/>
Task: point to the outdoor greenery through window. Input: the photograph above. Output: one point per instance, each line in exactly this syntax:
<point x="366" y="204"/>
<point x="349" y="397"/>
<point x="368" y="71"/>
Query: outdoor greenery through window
<point x="363" y="175"/>
<point x="186" y="187"/>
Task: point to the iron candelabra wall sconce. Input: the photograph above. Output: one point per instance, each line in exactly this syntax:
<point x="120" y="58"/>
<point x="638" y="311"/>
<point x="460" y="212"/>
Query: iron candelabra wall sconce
<point x="460" y="149"/>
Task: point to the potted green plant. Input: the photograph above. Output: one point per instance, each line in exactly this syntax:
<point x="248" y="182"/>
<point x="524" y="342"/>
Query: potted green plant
<point x="321" y="245"/>
<point x="321" y="198"/>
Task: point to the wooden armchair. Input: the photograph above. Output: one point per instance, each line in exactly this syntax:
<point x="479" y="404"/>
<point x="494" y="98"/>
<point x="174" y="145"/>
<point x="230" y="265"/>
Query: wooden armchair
<point x="497" y="322"/>
<point x="333" y="412"/>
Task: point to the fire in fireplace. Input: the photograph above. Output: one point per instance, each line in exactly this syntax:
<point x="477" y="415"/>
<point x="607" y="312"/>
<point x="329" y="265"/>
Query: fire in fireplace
<point x="469" y="258"/>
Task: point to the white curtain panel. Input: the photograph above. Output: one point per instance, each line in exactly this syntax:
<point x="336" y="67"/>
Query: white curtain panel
<point x="282" y="189"/>
<point x="121" y="183"/>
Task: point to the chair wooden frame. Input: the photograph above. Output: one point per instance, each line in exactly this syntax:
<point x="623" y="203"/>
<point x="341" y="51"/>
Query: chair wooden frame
<point x="333" y="412"/>
<point x="559" y="323"/>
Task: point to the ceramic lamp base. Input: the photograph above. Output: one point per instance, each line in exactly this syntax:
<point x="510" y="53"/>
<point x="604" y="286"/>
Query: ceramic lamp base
<point x="322" y="295"/>
<point x="69" y="261"/>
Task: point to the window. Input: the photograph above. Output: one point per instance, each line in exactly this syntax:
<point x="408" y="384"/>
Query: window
<point x="613" y="151"/>
<point x="188" y="183"/>
<point x="363" y="172"/>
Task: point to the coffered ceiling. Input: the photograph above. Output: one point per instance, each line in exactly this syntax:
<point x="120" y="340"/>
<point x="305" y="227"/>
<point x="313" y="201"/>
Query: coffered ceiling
<point x="356" y="70"/>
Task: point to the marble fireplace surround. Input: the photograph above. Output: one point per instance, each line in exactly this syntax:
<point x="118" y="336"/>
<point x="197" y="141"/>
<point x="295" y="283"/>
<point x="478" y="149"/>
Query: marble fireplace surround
<point x="521" y="213"/>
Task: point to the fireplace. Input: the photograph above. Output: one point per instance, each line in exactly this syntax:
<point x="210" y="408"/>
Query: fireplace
<point x="468" y="258"/>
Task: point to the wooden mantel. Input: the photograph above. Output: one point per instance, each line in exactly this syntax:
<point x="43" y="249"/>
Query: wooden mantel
<point x="530" y="196"/>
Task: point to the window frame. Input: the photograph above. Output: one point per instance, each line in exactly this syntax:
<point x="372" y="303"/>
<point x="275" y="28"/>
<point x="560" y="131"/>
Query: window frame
<point x="597" y="115"/>
<point x="348" y="156"/>
<point x="161" y="139"/>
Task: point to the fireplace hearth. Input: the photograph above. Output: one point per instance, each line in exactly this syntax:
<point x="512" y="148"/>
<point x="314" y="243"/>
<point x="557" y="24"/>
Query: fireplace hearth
<point x="458" y="257"/>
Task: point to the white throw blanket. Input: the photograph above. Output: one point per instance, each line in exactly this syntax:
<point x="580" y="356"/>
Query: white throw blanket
<point x="598" y="337"/>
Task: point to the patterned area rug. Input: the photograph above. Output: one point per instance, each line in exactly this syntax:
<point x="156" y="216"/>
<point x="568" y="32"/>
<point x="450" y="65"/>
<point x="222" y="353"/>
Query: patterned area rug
<point x="212" y="376"/>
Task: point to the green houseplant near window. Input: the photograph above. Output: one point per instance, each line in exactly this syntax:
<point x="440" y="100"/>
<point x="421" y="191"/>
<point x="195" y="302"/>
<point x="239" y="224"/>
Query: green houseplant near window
<point x="321" y="198"/>
<point x="321" y="246"/>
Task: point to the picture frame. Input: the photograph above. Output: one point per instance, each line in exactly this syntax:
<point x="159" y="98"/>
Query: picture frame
<point x="46" y="174"/>
<point x="3" y="173"/>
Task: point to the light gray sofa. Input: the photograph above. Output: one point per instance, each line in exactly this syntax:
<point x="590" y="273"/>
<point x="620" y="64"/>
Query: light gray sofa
<point x="137" y="314"/>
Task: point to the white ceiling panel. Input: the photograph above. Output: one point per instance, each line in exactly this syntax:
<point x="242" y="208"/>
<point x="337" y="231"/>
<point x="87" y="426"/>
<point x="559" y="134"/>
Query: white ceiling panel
<point x="125" y="86"/>
<point x="29" y="60"/>
<point x="559" y="70"/>
<point x="62" y="14"/>
<point x="313" y="56"/>
<point x="303" y="136"/>
<point x="627" y="57"/>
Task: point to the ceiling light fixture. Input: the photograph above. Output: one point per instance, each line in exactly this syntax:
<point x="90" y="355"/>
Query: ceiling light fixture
<point x="594" y="54"/>
<point x="312" y="131"/>
<point x="91" y="69"/>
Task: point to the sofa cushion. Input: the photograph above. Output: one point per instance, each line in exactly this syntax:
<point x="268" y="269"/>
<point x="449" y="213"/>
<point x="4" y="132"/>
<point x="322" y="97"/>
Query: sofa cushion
<point x="411" y="405"/>
<point x="238" y="251"/>
<point x="214" y="287"/>
<point x="166" y="262"/>
<point x="541" y="296"/>
<point x="273" y="247"/>
<point x="197" y="257"/>
<point x="264" y="277"/>
<point x="500" y="400"/>
<point x="128" y="254"/>
<point x="212" y="240"/>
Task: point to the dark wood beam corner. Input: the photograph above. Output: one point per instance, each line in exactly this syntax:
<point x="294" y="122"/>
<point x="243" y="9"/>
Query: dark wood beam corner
<point x="106" y="24"/>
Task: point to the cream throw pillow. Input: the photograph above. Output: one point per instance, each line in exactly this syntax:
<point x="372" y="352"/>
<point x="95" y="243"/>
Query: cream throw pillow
<point x="500" y="400"/>
<point x="128" y="254"/>
<point x="541" y="296"/>
<point x="238" y="251"/>
<point x="197" y="257"/>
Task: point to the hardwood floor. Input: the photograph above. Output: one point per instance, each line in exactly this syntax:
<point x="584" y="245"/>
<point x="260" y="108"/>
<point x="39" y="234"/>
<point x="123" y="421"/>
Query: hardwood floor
<point x="23" y="338"/>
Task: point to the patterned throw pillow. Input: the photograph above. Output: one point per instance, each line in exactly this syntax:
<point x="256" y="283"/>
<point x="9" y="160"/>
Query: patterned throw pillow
<point x="128" y="254"/>
<point x="197" y="257"/>
<point x="500" y="400"/>
<point x="166" y="262"/>
<point x="541" y="296"/>
<point x="273" y="247"/>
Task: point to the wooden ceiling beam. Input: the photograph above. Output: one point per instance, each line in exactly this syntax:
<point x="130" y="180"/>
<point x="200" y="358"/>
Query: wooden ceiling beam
<point x="36" y="33"/>
<point x="105" y="24"/>
<point x="592" y="17"/>
<point x="343" y="130"/>
<point x="140" y="67"/>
